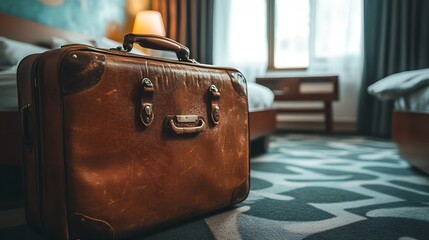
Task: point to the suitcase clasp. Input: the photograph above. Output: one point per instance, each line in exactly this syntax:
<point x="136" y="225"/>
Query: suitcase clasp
<point x="214" y="98"/>
<point x="146" y="108"/>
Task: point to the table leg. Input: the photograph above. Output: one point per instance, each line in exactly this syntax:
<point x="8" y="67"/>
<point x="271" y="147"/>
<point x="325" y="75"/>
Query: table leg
<point x="328" y="117"/>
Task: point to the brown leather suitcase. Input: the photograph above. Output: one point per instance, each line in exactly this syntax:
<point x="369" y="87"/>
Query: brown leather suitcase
<point x="116" y="144"/>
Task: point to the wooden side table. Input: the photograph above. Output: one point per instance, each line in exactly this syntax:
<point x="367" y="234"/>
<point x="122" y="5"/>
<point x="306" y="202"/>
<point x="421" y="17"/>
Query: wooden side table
<point x="294" y="89"/>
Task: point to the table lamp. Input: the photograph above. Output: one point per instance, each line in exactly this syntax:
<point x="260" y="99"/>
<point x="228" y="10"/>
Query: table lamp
<point x="149" y="22"/>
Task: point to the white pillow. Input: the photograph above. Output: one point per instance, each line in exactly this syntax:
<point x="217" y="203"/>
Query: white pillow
<point x="56" y="42"/>
<point x="398" y="84"/>
<point x="106" y="43"/>
<point x="109" y="43"/>
<point x="259" y="96"/>
<point x="12" y="52"/>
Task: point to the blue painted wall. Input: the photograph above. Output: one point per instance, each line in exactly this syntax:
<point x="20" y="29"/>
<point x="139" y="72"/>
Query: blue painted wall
<point x="88" y="17"/>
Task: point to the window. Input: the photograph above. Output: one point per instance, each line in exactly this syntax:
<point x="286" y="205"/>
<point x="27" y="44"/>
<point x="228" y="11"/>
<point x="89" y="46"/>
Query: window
<point x="242" y="28"/>
<point x="240" y="36"/>
<point x="289" y="34"/>
<point x="333" y="42"/>
<point x="311" y="35"/>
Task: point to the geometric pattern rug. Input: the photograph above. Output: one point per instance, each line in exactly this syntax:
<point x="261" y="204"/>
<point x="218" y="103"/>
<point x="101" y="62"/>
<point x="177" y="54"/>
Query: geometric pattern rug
<point x="316" y="187"/>
<point x="321" y="187"/>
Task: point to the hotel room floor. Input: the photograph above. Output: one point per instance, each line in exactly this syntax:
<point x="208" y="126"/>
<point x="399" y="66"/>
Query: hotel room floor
<point x="309" y="187"/>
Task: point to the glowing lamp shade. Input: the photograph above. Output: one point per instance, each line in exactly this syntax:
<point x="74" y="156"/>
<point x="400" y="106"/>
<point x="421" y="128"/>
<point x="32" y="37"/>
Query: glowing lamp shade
<point x="149" y="22"/>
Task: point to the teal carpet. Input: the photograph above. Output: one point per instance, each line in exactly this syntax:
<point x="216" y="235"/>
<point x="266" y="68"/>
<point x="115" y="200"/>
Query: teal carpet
<point x="316" y="187"/>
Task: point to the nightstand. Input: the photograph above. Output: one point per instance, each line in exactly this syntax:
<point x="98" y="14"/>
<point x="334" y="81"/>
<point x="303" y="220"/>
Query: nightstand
<point x="305" y="88"/>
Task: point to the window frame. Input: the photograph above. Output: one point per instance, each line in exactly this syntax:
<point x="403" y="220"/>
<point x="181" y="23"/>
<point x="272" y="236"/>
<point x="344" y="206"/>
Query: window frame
<point x="271" y="16"/>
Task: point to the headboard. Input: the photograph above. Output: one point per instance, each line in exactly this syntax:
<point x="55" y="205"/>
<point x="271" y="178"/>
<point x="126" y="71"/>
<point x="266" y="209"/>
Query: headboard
<point x="31" y="32"/>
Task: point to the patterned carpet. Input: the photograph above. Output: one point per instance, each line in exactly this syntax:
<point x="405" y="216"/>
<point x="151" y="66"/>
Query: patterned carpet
<point x="318" y="187"/>
<point x="315" y="187"/>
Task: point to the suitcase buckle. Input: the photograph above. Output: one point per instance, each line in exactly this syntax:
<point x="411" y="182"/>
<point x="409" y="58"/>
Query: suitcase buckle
<point x="146" y="108"/>
<point x="146" y="114"/>
<point x="215" y="110"/>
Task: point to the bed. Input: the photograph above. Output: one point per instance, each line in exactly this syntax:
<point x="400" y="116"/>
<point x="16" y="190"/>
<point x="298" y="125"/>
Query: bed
<point x="410" y="122"/>
<point x="262" y="117"/>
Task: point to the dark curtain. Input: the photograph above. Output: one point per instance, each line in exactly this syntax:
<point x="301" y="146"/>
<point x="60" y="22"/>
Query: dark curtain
<point x="396" y="38"/>
<point x="189" y="22"/>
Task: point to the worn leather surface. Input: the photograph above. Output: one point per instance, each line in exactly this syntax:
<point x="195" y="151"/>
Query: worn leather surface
<point x="25" y="83"/>
<point x="45" y="185"/>
<point x="119" y="177"/>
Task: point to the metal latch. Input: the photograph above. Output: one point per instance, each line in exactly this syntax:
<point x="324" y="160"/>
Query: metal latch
<point x="187" y="118"/>
<point x="146" y="114"/>
<point x="214" y="98"/>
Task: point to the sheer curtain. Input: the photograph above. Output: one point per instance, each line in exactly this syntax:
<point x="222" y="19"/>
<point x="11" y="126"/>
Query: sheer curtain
<point x="338" y="49"/>
<point x="240" y="40"/>
<point x="240" y="36"/>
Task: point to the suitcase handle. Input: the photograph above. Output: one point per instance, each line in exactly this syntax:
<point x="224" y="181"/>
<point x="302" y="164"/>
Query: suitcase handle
<point x="186" y="130"/>
<point x="26" y="126"/>
<point x="193" y="124"/>
<point x="158" y="43"/>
